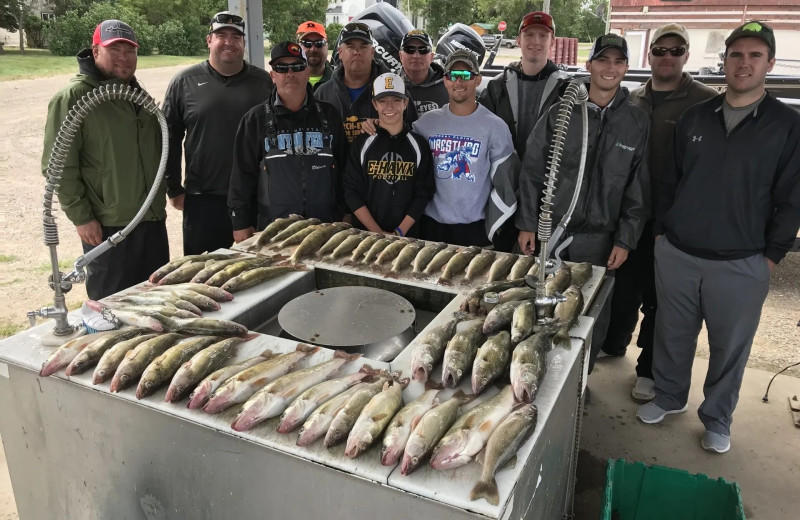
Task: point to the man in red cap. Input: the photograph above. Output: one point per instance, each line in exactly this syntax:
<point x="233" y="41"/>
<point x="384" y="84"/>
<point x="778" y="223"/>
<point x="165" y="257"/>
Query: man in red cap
<point x="111" y="166"/>
<point x="311" y="36"/>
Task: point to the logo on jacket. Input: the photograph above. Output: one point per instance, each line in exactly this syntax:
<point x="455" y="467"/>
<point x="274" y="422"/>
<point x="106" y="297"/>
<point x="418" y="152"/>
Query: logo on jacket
<point x="299" y="143"/>
<point x="696" y="138"/>
<point x="453" y="156"/>
<point x="625" y="147"/>
<point x="391" y="168"/>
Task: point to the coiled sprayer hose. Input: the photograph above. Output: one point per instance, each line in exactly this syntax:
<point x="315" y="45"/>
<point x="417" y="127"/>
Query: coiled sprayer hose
<point x="55" y="169"/>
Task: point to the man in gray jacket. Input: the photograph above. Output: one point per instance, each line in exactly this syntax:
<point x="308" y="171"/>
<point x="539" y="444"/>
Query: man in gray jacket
<point x="424" y="79"/>
<point x="665" y="96"/>
<point x="615" y="194"/>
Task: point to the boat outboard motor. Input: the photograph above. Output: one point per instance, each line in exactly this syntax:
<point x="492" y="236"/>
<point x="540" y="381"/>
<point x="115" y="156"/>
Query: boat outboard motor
<point x="388" y="26"/>
<point x="460" y="36"/>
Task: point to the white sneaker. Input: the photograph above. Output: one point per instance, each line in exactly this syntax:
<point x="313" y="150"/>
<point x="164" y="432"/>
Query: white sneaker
<point x="644" y="390"/>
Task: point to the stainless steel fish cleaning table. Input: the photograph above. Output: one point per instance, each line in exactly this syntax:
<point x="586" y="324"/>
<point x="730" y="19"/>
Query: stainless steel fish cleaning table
<point x="76" y="451"/>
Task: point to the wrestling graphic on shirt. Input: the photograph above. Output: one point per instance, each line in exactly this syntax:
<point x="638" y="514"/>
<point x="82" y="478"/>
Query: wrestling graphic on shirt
<point x="453" y="155"/>
<point x="391" y="168"/>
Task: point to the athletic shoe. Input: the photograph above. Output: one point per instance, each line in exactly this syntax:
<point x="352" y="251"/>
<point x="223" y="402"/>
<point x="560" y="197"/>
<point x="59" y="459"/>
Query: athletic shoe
<point x="605" y="355"/>
<point x="716" y="442"/>
<point x="651" y="413"/>
<point x="644" y="390"/>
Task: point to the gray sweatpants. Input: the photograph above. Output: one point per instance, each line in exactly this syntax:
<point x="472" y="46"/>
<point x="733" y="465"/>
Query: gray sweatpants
<point x="728" y="295"/>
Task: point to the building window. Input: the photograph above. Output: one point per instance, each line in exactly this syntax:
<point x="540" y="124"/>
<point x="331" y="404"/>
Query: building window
<point x="48" y="16"/>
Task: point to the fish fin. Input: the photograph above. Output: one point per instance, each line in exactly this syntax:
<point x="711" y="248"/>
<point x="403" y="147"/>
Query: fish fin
<point x="344" y="355"/>
<point x="469" y="422"/>
<point x="415" y="421"/>
<point x="481" y="457"/>
<point x="486" y="490"/>
<point x="378" y="417"/>
<point x="307" y="349"/>
<point x="392" y="274"/>
<point x="403" y="382"/>
<point x="445" y="282"/>
<point x="267" y="354"/>
<point x="509" y="464"/>
<point x="433" y="385"/>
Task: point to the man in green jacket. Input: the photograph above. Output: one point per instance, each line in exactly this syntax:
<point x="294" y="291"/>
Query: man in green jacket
<point x="111" y="165"/>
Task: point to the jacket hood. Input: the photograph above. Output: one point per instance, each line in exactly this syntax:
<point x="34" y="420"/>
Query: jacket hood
<point x="89" y="73"/>
<point x="516" y="67"/>
<point x="435" y="76"/>
<point x="281" y="110"/>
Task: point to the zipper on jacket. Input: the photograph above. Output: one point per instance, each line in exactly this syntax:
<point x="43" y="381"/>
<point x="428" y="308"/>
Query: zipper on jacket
<point x="588" y="174"/>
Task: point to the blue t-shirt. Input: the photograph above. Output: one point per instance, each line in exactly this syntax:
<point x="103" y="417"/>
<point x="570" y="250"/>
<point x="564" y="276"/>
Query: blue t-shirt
<point x="355" y="92"/>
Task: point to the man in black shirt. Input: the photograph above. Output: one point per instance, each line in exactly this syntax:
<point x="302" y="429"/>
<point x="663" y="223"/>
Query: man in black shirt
<point x="204" y="104"/>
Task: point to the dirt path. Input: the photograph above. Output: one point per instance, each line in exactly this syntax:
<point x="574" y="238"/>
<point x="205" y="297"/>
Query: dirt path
<point x="24" y="263"/>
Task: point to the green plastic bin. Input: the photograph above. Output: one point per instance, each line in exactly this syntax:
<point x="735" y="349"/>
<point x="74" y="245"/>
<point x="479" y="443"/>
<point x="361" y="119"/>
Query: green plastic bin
<point x="636" y="491"/>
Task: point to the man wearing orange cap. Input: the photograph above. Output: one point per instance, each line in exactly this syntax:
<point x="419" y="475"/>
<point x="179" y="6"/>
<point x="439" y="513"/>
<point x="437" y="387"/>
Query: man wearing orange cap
<point x="311" y="36"/>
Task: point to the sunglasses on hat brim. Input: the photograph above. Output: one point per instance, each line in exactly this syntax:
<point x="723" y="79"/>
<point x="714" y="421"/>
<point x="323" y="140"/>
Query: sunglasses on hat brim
<point x="226" y="18"/>
<point x="673" y="51"/>
<point x="283" y="68"/>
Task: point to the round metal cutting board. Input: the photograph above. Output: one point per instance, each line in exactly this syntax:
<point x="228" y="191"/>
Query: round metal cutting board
<point x="347" y="316"/>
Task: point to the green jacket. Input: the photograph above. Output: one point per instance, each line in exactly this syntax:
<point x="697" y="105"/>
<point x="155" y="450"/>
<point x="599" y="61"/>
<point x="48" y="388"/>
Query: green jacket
<point x="113" y="160"/>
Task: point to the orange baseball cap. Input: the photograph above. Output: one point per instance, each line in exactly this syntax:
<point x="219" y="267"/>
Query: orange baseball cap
<point x="311" y="27"/>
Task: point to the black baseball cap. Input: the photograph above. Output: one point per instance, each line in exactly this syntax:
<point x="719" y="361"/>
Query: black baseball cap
<point x="111" y="31"/>
<point x="417" y="34"/>
<point x="753" y="29"/>
<point x="608" y="41"/>
<point x="286" y="50"/>
<point x="356" y="31"/>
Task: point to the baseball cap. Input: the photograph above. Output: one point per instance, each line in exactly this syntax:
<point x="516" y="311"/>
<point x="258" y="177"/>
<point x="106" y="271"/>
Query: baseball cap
<point x="464" y="56"/>
<point x="608" y="41"/>
<point x="111" y="31"/>
<point x="286" y="50"/>
<point x="310" y="27"/>
<point x="671" y="29"/>
<point x="753" y="29"/>
<point x="538" y="18"/>
<point x="388" y="84"/>
<point x="226" y="19"/>
<point x="356" y="31"/>
<point x="417" y="34"/>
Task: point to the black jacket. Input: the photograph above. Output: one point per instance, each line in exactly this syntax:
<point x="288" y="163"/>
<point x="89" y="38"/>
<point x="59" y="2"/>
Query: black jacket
<point x="430" y="94"/>
<point x="725" y="197"/>
<point x="296" y="168"/>
<point x="501" y="96"/>
<point x="326" y="76"/>
<point x="615" y="194"/>
<point x="206" y="107"/>
<point x="392" y="175"/>
<point x="353" y="114"/>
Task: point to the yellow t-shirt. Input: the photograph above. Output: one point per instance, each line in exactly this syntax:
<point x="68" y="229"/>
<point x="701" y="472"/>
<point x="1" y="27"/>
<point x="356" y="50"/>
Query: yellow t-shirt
<point x="314" y="80"/>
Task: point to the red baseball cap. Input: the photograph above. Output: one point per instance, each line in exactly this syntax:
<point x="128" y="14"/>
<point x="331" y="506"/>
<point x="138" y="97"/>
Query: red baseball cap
<point x="311" y="27"/>
<point x="111" y="31"/>
<point x="538" y="18"/>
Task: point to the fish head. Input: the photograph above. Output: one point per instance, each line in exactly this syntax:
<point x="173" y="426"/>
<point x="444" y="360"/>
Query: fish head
<point x="413" y="455"/>
<point x="452" y="371"/>
<point x="452" y="451"/>
<point x="391" y="449"/>
<point x="421" y="364"/>
<point x="480" y="380"/>
<point x="525" y="384"/>
<point x="358" y="443"/>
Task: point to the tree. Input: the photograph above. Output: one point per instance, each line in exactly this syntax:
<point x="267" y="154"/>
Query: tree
<point x="281" y="17"/>
<point x="12" y="17"/>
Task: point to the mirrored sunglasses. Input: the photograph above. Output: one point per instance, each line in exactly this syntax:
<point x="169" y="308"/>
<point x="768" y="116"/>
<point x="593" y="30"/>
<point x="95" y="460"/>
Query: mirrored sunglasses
<point x="318" y="44"/>
<point x="673" y="51"/>
<point x="356" y="26"/>
<point x="228" y="18"/>
<point x="283" y="68"/>
<point x="421" y="50"/>
<point x="454" y="75"/>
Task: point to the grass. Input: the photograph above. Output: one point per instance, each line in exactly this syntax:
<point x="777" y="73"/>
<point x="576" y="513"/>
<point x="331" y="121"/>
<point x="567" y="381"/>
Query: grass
<point x="63" y="266"/>
<point x="9" y="329"/>
<point x="37" y="63"/>
<point x="11" y="282"/>
<point x="583" y="52"/>
<point x="7" y="259"/>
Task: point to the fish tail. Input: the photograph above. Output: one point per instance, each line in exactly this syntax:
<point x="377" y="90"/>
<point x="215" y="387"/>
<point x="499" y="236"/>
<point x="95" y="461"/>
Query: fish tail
<point x="486" y="490"/>
<point x="307" y="349"/>
<point x="341" y="354"/>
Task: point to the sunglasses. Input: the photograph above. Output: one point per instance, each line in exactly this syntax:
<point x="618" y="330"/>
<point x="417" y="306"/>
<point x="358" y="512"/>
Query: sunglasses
<point x="318" y="44"/>
<point x="356" y="26"/>
<point x="673" y="51"/>
<point x="283" y="68"/>
<point x="421" y="50"/>
<point x="228" y="18"/>
<point x="454" y="75"/>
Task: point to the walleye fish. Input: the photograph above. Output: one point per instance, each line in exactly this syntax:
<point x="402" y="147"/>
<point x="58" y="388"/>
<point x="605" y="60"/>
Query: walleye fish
<point x="90" y="355"/>
<point x="406" y="256"/>
<point x="374" y="418"/>
<point x="162" y="368"/>
<point x="215" y="293"/>
<point x="212" y="268"/>
<point x="365" y="245"/>
<point x="478" y="265"/>
<point x="293" y="228"/>
<point x="440" y="259"/>
<point x="184" y="273"/>
<point x="202" y="302"/>
<point x="523" y="322"/>
<point x="529" y="365"/>
<point x="335" y="241"/>
<point x="472" y="299"/>
<point x="136" y="360"/>
<point x="205" y="326"/>
<point x="567" y="313"/>
<point x="203" y="391"/>
<point x="581" y="273"/>
<point x="501" y="267"/>
<point x="501" y="447"/>
<point x="235" y="269"/>
<point x="241" y="387"/>
<point x="457" y="264"/>
<point x="521" y="267"/>
<point x="460" y="352"/>
<point x="377" y="248"/>
<point x="112" y="357"/>
<point x="164" y="270"/>
<point x="500" y="317"/>
<point x="345" y="418"/>
<point x="158" y="310"/>
<point x="316" y="239"/>
<point x="399" y="429"/>
<point x="66" y="353"/>
<point x="560" y="281"/>
<point x="429" y="348"/>
<point x="351" y="242"/>
<point x="319" y="421"/>
<point x="490" y="361"/>
<point x="516" y="293"/>
<point x="199" y="366"/>
<point x="131" y="318"/>
<point x="156" y="298"/>
<point x="299" y="236"/>
<point x="272" y="400"/>
<point x="254" y="277"/>
<point x="425" y="256"/>
<point x="471" y="431"/>
<point x="275" y="227"/>
<point x="429" y="431"/>
<point x="534" y="270"/>
<point x="302" y="407"/>
<point x="391" y="251"/>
